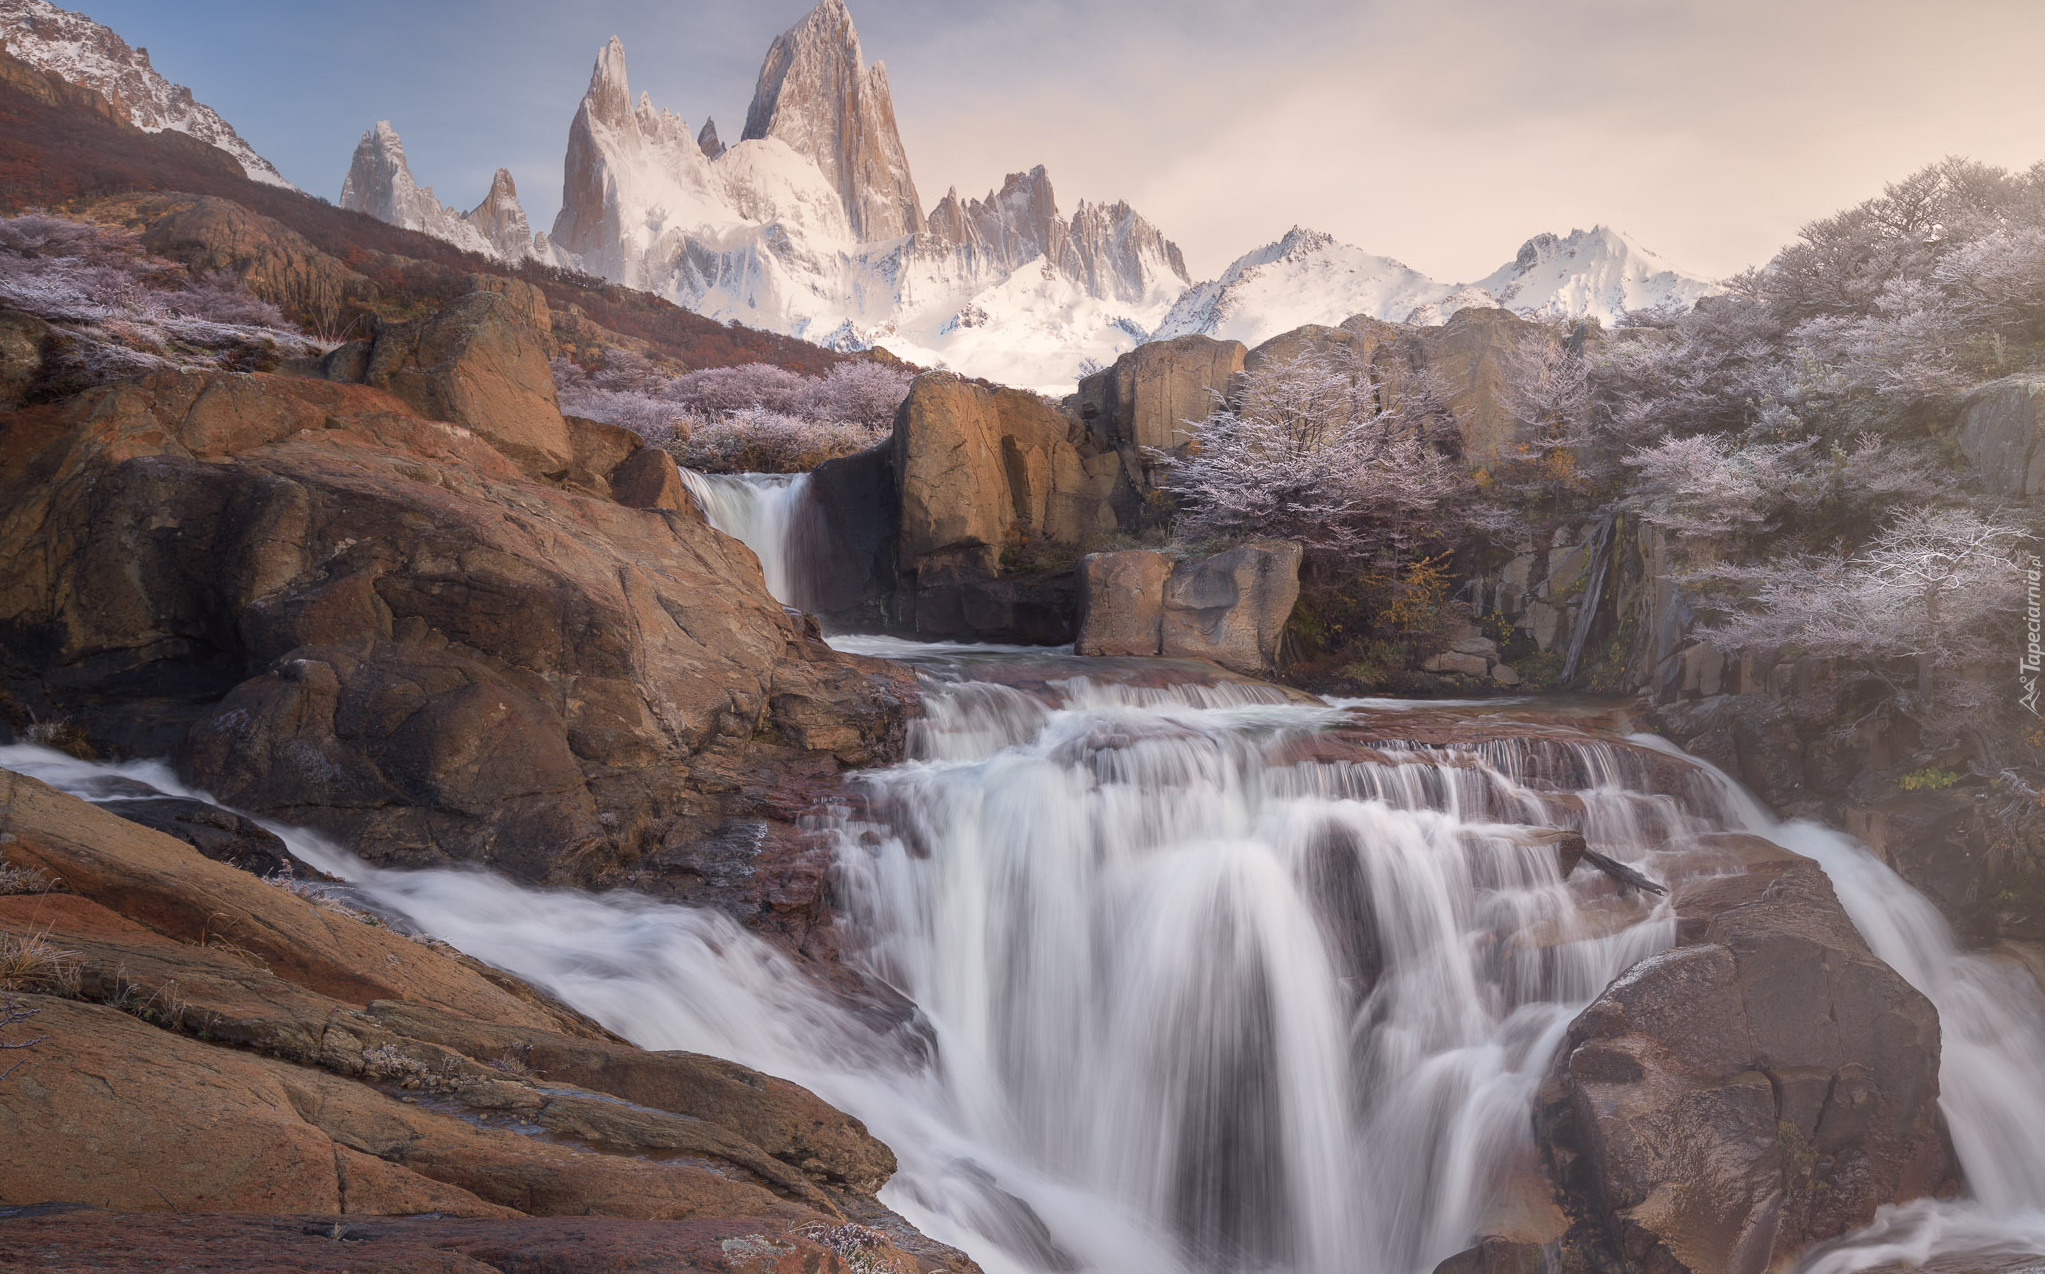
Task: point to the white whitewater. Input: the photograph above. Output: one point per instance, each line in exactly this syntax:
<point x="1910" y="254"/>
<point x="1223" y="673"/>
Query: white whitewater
<point x="762" y="511"/>
<point x="1189" y="1002"/>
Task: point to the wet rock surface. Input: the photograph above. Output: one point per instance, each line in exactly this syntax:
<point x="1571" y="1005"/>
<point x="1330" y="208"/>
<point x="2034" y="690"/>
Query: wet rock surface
<point x="1762" y="1087"/>
<point x="206" y="1042"/>
<point x="100" y="1240"/>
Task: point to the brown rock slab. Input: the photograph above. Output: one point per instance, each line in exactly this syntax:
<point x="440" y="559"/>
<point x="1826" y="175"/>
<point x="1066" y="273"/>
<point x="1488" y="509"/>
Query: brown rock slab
<point x="1232" y="608"/>
<point x="110" y="1242"/>
<point x="648" y="479"/>
<point x="1150" y="393"/>
<point x="166" y="885"/>
<point x="479" y="363"/>
<point x="1122" y="602"/>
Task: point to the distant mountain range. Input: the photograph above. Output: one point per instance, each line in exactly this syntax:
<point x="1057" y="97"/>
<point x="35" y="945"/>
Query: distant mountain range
<point x="810" y="224"/>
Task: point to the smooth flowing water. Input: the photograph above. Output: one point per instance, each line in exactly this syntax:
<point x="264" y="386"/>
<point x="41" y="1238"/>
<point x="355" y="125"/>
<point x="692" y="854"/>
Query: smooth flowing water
<point x="764" y="512"/>
<point x="1202" y="987"/>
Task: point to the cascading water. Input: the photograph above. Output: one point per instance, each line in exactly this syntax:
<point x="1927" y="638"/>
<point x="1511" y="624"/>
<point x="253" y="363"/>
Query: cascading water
<point x="1206" y="994"/>
<point x="763" y="511"/>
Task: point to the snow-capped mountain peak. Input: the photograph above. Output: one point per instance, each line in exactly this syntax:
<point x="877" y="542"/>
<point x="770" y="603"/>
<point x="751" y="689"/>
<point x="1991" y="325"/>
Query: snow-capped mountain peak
<point x="1310" y="277"/>
<point x="82" y="52"/>
<point x="817" y="94"/>
<point x="1598" y="273"/>
<point x="1306" y="276"/>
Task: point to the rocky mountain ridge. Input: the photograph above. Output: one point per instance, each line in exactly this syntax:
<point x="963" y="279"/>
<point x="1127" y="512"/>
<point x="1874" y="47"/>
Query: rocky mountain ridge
<point x="83" y="52"/>
<point x="1310" y="277"/>
<point x="380" y="183"/>
<point x="809" y="225"/>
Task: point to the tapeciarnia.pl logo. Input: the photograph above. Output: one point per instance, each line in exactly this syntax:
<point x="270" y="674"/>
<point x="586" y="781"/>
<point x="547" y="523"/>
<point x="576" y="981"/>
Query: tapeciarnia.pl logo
<point x="2034" y="649"/>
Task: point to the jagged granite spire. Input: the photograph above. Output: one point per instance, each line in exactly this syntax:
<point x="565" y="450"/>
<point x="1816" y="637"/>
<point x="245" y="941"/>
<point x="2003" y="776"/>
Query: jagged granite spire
<point x="706" y="141"/>
<point x="501" y="219"/>
<point x="817" y="95"/>
<point x="380" y="183"/>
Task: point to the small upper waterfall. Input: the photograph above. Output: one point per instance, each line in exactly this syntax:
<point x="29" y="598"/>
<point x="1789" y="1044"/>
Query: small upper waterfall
<point x="1203" y="988"/>
<point x="763" y="511"/>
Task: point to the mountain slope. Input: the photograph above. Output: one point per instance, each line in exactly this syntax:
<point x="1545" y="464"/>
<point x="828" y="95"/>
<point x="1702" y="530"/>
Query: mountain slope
<point x="87" y="54"/>
<point x="61" y="144"/>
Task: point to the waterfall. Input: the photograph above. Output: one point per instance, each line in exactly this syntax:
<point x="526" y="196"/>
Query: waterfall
<point x="1199" y="991"/>
<point x="763" y="511"/>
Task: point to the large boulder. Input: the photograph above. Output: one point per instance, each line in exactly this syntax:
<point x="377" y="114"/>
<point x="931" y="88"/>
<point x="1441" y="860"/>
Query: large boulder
<point x="2002" y="434"/>
<point x="1121" y="602"/>
<point x="980" y="466"/>
<point x="1472" y="355"/>
<point x="983" y="472"/>
<point x="1726" y="1104"/>
<point x="479" y="363"/>
<point x="331" y="610"/>
<point x="1231" y="608"/>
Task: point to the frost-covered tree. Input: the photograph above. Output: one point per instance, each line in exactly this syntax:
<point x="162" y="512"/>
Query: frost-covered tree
<point x="1310" y="450"/>
<point x="1929" y="588"/>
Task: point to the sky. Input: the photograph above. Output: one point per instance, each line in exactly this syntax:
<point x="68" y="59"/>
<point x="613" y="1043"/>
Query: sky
<point x="1442" y="133"/>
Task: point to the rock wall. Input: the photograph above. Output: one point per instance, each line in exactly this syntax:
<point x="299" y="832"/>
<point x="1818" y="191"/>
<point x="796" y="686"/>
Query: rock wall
<point x="1825" y="739"/>
<point x="1469" y="358"/>
<point x="984" y="471"/>
<point x="1229" y="609"/>
<point x="2002" y="434"/>
<point x="1144" y="401"/>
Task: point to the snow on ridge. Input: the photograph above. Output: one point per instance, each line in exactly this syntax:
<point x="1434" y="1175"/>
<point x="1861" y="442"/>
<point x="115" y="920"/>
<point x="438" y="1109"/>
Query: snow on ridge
<point x="82" y="52"/>
<point x="1310" y="277"/>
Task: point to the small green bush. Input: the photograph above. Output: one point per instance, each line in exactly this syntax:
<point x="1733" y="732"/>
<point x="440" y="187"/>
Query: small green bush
<point x="1929" y="779"/>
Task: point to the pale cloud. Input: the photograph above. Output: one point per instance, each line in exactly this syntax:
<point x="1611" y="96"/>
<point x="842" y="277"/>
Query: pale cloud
<point x="1441" y="133"/>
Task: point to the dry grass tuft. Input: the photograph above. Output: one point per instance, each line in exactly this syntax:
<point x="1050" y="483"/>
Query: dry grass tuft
<point x="31" y="962"/>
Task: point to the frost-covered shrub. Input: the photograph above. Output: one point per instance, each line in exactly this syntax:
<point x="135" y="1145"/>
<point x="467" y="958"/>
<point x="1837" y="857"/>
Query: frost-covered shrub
<point x="753" y="418"/>
<point x="120" y="312"/>
<point x="1939" y="588"/>
<point x="754" y="440"/>
<point x="652" y="418"/>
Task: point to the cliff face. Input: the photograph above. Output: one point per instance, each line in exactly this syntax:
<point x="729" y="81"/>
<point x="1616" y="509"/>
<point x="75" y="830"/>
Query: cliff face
<point x="584" y="690"/>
